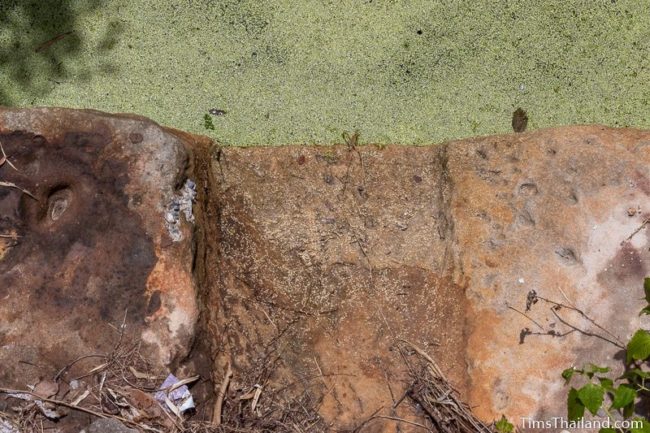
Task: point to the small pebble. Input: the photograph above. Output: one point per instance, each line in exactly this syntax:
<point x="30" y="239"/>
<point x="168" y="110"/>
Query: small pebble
<point x="216" y="112"/>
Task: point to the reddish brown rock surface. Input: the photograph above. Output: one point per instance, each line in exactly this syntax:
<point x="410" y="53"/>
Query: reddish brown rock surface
<point x="316" y="264"/>
<point x="342" y="253"/>
<point x="548" y="211"/>
<point x="90" y="250"/>
<point x="329" y="258"/>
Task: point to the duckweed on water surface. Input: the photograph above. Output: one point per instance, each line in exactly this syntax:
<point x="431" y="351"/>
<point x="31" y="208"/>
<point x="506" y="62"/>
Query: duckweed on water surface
<point x="304" y="71"/>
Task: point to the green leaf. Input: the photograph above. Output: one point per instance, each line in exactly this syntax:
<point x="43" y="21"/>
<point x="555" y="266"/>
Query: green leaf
<point x="646" y="310"/>
<point x="607" y="430"/>
<point x="568" y="374"/>
<point x="639" y="346"/>
<point x="575" y="408"/>
<point x="503" y="426"/>
<point x="591" y="397"/>
<point x="645" y="426"/>
<point x="606" y="383"/>
<point x="623" y="396"/>
<point x="646" y="289"/>
<point x="628" y="410"/>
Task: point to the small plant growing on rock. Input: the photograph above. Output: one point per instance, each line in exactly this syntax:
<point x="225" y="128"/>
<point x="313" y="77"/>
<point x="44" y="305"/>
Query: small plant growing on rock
<point x="207" y="122"/>
<point x="619" y="398"/>
<point x="504" y="426"/>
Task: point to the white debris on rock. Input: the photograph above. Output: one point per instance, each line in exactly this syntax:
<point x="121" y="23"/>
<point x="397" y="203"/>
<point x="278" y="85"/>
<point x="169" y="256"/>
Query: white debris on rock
<point x="6" y="427"/>
<point x="175" y="397"/>
<point x="180" y="203"/>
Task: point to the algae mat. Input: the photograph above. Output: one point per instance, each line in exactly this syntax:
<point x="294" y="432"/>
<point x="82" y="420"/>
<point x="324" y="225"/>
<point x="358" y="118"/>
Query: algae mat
<point x="304" y="71"/>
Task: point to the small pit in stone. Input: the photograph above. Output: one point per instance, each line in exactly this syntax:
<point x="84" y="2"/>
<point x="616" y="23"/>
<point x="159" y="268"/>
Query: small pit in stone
<point x="58" y="202"/>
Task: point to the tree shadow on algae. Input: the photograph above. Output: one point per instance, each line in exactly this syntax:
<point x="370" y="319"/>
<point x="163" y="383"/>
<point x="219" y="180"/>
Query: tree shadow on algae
<point x="41" y="44"/>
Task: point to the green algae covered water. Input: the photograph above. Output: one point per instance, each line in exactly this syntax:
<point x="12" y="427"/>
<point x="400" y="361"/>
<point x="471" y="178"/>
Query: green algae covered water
<point x="289" y="71"/>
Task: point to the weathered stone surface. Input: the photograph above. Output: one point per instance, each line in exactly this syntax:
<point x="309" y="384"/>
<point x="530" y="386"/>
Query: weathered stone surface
<point x="314" y="263"/>
<point x="109" y="426"/>
<point x="551" y="211"/>
<point x="335" y="254"/>
<point x="90" y="250"/>
<point x="326" y="259"/>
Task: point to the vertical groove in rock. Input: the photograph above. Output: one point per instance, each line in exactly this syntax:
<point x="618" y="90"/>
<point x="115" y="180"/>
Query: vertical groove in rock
<point x="452" y="264"/>
<point x="200" y="359"/>
<point x="446" y="223"/>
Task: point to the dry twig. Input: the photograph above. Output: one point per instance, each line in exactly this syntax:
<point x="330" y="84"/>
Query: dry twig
<point x="439" y="400"/>
<point x="218" y="405"/>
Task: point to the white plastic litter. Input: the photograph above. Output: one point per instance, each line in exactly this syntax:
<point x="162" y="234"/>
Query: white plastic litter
<point x="178" y="400"/>
<point x="49" y="413"/>
<point x="6" y="427"/>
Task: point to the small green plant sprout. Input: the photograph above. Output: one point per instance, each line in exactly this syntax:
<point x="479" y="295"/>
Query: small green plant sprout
<point x="619" y="398"/>
<point x="474" y="125"/>
<point x="207" y="122"/>
<point x="504" y="426"/>
<point x="329" y="157"/>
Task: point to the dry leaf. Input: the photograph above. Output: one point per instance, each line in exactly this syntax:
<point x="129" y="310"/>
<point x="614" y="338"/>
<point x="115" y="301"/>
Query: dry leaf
<point x="46" y="388"/>
<point x="13" y="185"/>
<point x="258" y="392"/>
<point x="80" y="398"/>
<point x="173" y="408"/>
<point x="182" y="382"/>
<point x="139" y="375"/>
<point x="145" y="403"/>
<point x="3" y="158"/>
<point x="99" y="367"/>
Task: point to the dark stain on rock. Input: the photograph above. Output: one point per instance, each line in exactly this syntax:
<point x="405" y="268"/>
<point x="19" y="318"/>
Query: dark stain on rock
<point x="642" y="182"/>
<point x="525" y="218"/>
<point x="362" y="192"/>
<point x="568" y="255"/>
<point x="628" y="263"/>
<point x="519" y="120"/>
<point x="81" y="249"/>
<point x="135" y="137"/>
<point x="528" y="189"/>
<point x="154" y="303"/>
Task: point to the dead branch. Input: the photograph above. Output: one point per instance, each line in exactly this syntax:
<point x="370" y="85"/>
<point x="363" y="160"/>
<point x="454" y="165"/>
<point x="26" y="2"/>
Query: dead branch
<point x="218" y="405"/>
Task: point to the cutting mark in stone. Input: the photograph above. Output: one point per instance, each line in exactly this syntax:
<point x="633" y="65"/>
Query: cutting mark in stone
<point x="58" y="202"/>
<point x="568" y="255"/>
<point x="528" y="189"/>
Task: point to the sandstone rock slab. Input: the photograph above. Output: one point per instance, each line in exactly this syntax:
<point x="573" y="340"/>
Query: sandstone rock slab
<point x="339" y="253"/>
<point x="319" y="266"/>
<point x="328" y="259"/>
<point x="88" y="249"/>
<point x="559" y="212"/>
